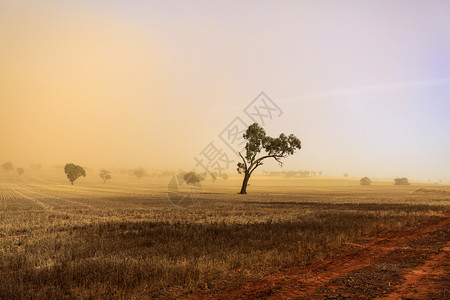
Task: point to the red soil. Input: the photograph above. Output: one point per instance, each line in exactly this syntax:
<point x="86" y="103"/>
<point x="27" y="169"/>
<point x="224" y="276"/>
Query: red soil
<point x="412" y="264"/>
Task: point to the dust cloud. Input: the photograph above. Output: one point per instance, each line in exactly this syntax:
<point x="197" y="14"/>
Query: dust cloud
<point x="150" y="84"/>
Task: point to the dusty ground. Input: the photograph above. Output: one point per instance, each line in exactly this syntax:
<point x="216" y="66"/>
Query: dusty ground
<point x="412" y="264"/>
<point x="288" y="238"/>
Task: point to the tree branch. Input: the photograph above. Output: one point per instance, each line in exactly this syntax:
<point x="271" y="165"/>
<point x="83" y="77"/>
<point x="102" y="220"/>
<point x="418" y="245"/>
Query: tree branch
<point x="245" y="163"/>
<point x="276" y="157"/>
<point x="256" y="165"/>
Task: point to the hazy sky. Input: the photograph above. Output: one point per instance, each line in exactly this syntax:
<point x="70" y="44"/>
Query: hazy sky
<point x="364" y="84"/>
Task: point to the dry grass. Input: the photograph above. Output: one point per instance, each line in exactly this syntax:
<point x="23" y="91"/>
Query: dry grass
<point x="125" y="240"/>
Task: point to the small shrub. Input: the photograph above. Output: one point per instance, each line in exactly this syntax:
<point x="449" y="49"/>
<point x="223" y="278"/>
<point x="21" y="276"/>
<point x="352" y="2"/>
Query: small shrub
<point x="139" y="173"/>
<point x="365" y="181"/>
<point x="401" y="181"/>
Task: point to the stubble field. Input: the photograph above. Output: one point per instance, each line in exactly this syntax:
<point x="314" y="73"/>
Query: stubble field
<point x="125" y="239"/>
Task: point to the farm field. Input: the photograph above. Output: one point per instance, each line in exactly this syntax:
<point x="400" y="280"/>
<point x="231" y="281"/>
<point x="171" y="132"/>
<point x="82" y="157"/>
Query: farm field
<point x="125" y="239"/>
<point x="224" y="150"/>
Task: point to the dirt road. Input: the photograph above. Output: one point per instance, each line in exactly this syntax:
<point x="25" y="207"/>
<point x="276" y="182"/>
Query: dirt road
<point x="410" y="264"/>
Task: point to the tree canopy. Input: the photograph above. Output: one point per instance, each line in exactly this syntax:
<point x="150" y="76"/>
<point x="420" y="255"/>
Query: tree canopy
<point x="192" y="178"/>
<point x="365" y="181"/>
<point x="401" y="181"/>
<point x="8" y="166"/>
<point x="258" y="142"/>
<point x="105" y="175"/>
<point x="20" y="171"/>
<point x="73" y="172"/>
<point x="139" y="173"/>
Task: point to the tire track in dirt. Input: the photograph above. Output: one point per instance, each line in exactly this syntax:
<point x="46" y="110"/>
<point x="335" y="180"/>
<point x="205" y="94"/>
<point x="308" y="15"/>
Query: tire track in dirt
<point x="311" y="281"/>
<point x="426" y="280"/>
<point x="48" y="208"/>
<point x="45" y="206"/>
<point x="56" y="197"/>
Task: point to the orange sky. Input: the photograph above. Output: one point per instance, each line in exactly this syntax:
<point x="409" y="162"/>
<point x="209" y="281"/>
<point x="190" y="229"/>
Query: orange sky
<point x="150" y="84"/>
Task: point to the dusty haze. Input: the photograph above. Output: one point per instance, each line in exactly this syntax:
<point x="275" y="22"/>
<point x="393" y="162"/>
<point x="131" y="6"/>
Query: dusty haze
<point x="365" y="86"/>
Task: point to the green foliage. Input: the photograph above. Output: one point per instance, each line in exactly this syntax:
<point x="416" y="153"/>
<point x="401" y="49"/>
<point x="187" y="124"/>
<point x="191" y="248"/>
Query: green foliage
<point x="258" y="141"/>
<point x="365" y="181"/>
<point x="8" y="166"/>
<point x="401" y="181"/>
<point x="73" y="172"/>
<point x="105" y="175"/>
<point x="20" y="171"/>
<point x="192" y="178"/>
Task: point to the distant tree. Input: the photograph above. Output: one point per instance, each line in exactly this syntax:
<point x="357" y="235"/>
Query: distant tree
<point x="8" y="166"/>
<point x="105" y="175"/>
<point x="192" y="178"/>
<point x="257" y="141"/>
<point x="345" y="175"/>
<point x="73" y="172"/>
<point x="224" y="176"/>
<point x="401" y="181"/>
<point x="303" y="173"/>
<point x="291" y="174"/>
<point x="20" y="171"/>
<point x="320" y="173"/>
<point x="139" y="173"/>
<point x="365" y="181"/>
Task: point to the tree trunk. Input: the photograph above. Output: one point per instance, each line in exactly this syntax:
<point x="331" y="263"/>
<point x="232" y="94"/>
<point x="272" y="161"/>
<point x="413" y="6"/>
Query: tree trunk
<point x="244" y="183"/>
<point x="71" y="182"/>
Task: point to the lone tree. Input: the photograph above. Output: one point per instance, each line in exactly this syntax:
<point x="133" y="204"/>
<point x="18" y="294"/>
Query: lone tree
<point x="20" y="171"/>
<point x="401" y="181"/>
<point x="73" y="172"/>
<point x="105" y="175"/>
<point x="257" y="141"/>
<point x="365" y="181"/>
<point x="8" y="166"/>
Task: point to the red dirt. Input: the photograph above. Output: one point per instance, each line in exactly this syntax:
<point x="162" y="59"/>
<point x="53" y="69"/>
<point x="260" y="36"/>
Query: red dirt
<point x="408" y="264"/>
<point x="426" y="280"/>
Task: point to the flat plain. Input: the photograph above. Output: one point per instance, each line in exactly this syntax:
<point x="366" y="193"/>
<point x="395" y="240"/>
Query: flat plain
<point x="125" y="239"/>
